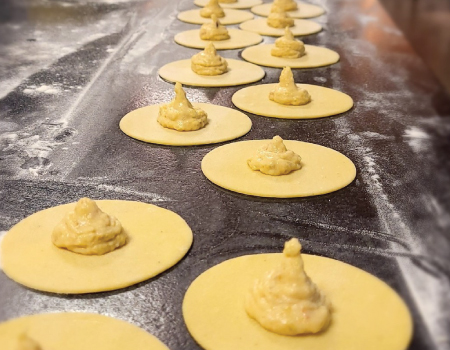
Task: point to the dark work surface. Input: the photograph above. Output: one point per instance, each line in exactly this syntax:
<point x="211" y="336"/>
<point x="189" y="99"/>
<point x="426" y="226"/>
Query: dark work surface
<point x="71" y="70"/>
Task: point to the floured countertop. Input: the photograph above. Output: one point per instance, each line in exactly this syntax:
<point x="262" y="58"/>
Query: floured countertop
<point x="70" y="70"/>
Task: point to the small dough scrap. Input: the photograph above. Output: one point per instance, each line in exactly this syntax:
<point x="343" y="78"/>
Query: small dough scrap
<point x="89" y="231"/>
<point x="285" y="300"/>
<point x="26" y="343"/>
<point x="275" y="159"/>
<point x="367" y="313"/>
<point x="287" y="93"/>
<point x="76" y="331"/>
<point x="286" y="5"/>
<point x="278" y="18"/>
<point x="179" y="114"/>
<point x="208" y="62"/>
<point x="287" y="47"/>
<point x="211" y="8"/>
<point x="214" y="31"/>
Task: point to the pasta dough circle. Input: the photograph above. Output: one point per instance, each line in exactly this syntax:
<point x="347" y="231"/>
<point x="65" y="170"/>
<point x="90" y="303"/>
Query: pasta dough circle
<point x="301" y="27"/>
<point x="223" y="124"/>
<point x="323" y="170"/>
<point x="239" y="73"/>
<point x="367" y="313"/>
<point x="240" y="4"/>
<point x="316" y="56"/>
<point x="238" y="39"/>
<point x="231" y="17"/>
<point x="325" y="102"/>
<point x="304" y="10"/>
<point x="158" y="239"/>
<point x="75" y="331"/>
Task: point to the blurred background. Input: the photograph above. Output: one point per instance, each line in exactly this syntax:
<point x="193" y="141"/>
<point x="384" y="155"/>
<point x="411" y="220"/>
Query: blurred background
<point x="426" y="24"/>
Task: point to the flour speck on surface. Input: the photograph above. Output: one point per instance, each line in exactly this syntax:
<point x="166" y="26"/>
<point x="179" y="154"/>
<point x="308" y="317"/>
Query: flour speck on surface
<point x="43" y="89"/>
<point x="417" y="139"/>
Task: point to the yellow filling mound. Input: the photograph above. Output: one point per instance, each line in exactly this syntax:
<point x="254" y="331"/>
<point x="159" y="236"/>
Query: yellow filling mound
<point x="274" y="159"/>
<point x="285" y="300"/>
<point x="286" y="5"/>
<point x="287" y="93"/>
<point x="287" y="47"/>
<point x="180" y="115"/>
<point x="278" y="18"/>
<point x="89" y="231"/>
<point x="208" y="62"/>
<point x="214" y="31"/>
<point x="212" y="8"/>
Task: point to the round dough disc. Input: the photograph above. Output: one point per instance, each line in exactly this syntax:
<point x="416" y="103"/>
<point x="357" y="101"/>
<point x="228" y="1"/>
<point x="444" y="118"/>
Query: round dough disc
<point x="224" y="124"/>
<point x="240" y="4"/>
<point x="239" y="73"/>
<point x="158" y="239"/>
<point x="325" y="102"/>
<point x="238" y="39"/>
<point x="323" y="170"/>
<point x="304" y="10"/>
<point x="301" y="27"/>
<point x="231" y="17"/>
<point x="367" y="313"/>
<point x="316" y="56"/>
<point x="75" y="331"/>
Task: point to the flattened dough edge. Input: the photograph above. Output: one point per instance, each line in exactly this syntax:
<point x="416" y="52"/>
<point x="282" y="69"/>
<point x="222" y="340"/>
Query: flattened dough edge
<point x="304" y="10"/>
<point x="301" y="27"/>
<point x="316" y="56"/>
<point x="239" y="73"/>
<point x="238" y="39"/>
<point x="231" y="17"/>
<point x="367" y="314"/>
<point x="224" y="124"/>
<point x="240" y="4"/>
<point x="323" y="171"/>
<point x="77" y="330"/>
<point x="158" y="239"/>
<point x="325" y="102"/>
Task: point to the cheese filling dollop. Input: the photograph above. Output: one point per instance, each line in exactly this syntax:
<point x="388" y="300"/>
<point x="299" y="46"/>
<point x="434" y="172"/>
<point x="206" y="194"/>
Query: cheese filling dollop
<point x="287" y="5"/>
<point x="180" y="115"/>
<point x="278" y="18"/>
<point x="287" y="92"/>
<point x="26" y="343"/>
<point x="285" y="300"/>
<point x="214" y="30"/>
<point x="287" y="47"/>
<point x="89" y="231"/>
<point x="275" y="159"/>
<point x="208" y="62"/>
<point x="212" y="8"/>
